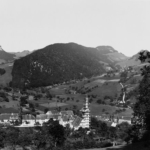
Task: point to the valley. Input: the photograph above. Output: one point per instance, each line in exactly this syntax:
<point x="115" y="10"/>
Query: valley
<point x="73" y="85"/>
<point x="104" y="91"/>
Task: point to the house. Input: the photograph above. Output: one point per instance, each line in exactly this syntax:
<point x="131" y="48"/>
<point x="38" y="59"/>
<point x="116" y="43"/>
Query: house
<point x="8" y="118"/>
<point x="28" y="119"/>
<point x="68" y="112"/>
<point x="76" y="122"/>
<point x="9" y="110"/>
<point x="8" y="114"/>
<point x="53" y="112"/>
<point x="41" y="118"/>
<point x="66" y="119"/>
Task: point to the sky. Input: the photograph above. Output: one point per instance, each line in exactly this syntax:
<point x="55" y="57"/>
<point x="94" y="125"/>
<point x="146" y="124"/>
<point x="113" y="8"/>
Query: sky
<point x="34" y="24"/>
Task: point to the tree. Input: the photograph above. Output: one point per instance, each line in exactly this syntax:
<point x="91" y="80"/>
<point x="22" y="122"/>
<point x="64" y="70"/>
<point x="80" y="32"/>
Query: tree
<point x="12" y="137"/>
<point x="31" y="106"/>
<point x="41" y="139"/>
<point x="23" y="100"/>
<point x="36" y="104"/>
<point x="7" y="89"/>
<point x="122" y="131"/>
<point x="141" y="117"/>
<point x="112" y="133"/>
<point x="123" y="76"/>
<point x="103" y="110"/>
<point x="48" y="95"/>
<point x="46" y="110"/>
<point x="2" y="71"/>
<point x="100" y="126"/>
<point x="25" y="138"/>
<point x="99" y="101"/>
<point x="2" y="137"/>
<point x="94" y="123"/>
<point x="74" y="107"/>
<point x="56" y="131"/>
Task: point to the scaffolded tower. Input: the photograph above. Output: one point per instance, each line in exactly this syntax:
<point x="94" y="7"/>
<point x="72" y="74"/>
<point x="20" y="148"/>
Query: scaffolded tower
<point x="85" y="123"/>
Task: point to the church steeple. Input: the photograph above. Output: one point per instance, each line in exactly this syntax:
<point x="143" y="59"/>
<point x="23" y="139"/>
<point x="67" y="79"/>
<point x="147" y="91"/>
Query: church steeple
<point x="85" y="123"/>
<point x="20" y="109"/>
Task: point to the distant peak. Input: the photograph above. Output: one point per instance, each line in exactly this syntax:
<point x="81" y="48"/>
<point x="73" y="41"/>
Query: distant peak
<point x="106" y="49"/>
<point x="1" y="48"/>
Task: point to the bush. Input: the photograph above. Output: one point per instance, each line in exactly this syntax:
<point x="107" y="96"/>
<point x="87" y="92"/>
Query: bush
<point x="6" y="99"/>
<point x="105" y="144"/>
<point x="2" y="71"/>
<point x="7" y="89"/>
<point x="99" y="101"/>
<point x="2" y="94"/>
<point x="36" y="105"/>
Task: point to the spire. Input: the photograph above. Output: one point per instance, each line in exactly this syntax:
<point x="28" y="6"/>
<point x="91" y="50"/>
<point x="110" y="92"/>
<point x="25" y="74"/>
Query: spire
<point x="20" y="109"/>
<point x="85" y="123"/>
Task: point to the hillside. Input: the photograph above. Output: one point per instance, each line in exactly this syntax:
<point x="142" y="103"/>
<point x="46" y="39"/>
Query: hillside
<point x="132" y="61"/>
<point x="4" y="56"/>
<point x="21" y="54"/>
<point x="6" y="77"/>
<point x="57" y="63"/>
<point x="111" y="54"/>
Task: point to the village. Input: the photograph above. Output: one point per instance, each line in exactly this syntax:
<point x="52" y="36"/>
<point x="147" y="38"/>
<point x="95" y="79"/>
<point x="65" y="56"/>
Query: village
<point x="10" y="116"/>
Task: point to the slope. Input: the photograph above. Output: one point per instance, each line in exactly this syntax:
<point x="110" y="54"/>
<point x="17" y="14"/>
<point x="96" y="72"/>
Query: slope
<point x="55" y="64"/>
<point x="132" y="61"/>
<point x="21" y="54"/>
<point x="4" y="56"/>
<point x="111" y="54"/>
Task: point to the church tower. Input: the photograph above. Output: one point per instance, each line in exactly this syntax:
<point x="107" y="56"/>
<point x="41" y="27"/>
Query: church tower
<point x="20" y="109"/>
<point x="85" y="123"/>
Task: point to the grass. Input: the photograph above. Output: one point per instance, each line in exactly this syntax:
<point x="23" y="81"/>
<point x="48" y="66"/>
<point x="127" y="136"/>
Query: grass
<point x="11" y="103"/>
<point x="7" y="77"/>
<point x="53" y="104"/>
<point x="109" y="89"/>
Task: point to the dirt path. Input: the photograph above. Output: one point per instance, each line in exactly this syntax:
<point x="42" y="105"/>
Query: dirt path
<point x="119" y="147"/>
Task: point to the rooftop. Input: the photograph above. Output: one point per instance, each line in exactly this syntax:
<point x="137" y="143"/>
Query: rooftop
<point x="8" y="110"/>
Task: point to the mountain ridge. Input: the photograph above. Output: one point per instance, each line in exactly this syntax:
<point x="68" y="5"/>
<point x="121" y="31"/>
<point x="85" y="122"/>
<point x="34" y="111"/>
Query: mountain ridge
<point x="5" y="56"/>
<point x="56" y="63"/>
<point x="102" y="57"/>
<point x="131" y="61"/>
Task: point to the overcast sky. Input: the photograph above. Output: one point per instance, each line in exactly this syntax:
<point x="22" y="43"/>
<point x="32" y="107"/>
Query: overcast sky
<point x="34" y="24"/>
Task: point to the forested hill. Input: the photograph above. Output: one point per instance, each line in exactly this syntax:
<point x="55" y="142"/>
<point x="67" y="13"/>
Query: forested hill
<point x="55" y="64"/>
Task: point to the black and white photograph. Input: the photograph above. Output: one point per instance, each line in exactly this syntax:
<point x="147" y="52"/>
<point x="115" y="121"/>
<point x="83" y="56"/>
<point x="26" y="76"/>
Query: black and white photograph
<point x="74" y="74"/>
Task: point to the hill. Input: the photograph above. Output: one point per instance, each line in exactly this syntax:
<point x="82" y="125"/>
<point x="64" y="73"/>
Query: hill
<point x="21" y="54"/>
<point x="111" y="54"/>
<point x="57" y="63"/>
<point x="4" y="56"/>
<point x="132" y="61"/>
<point x="6" y="77"/>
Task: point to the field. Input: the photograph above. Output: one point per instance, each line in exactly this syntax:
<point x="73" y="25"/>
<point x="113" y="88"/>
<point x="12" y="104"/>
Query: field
<point x="53" y="104"/>
<point x="7" y="77"/>
<point x="11" y="103"/>
<point x="99" y="87"/>
<point x="105" y="87"/>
